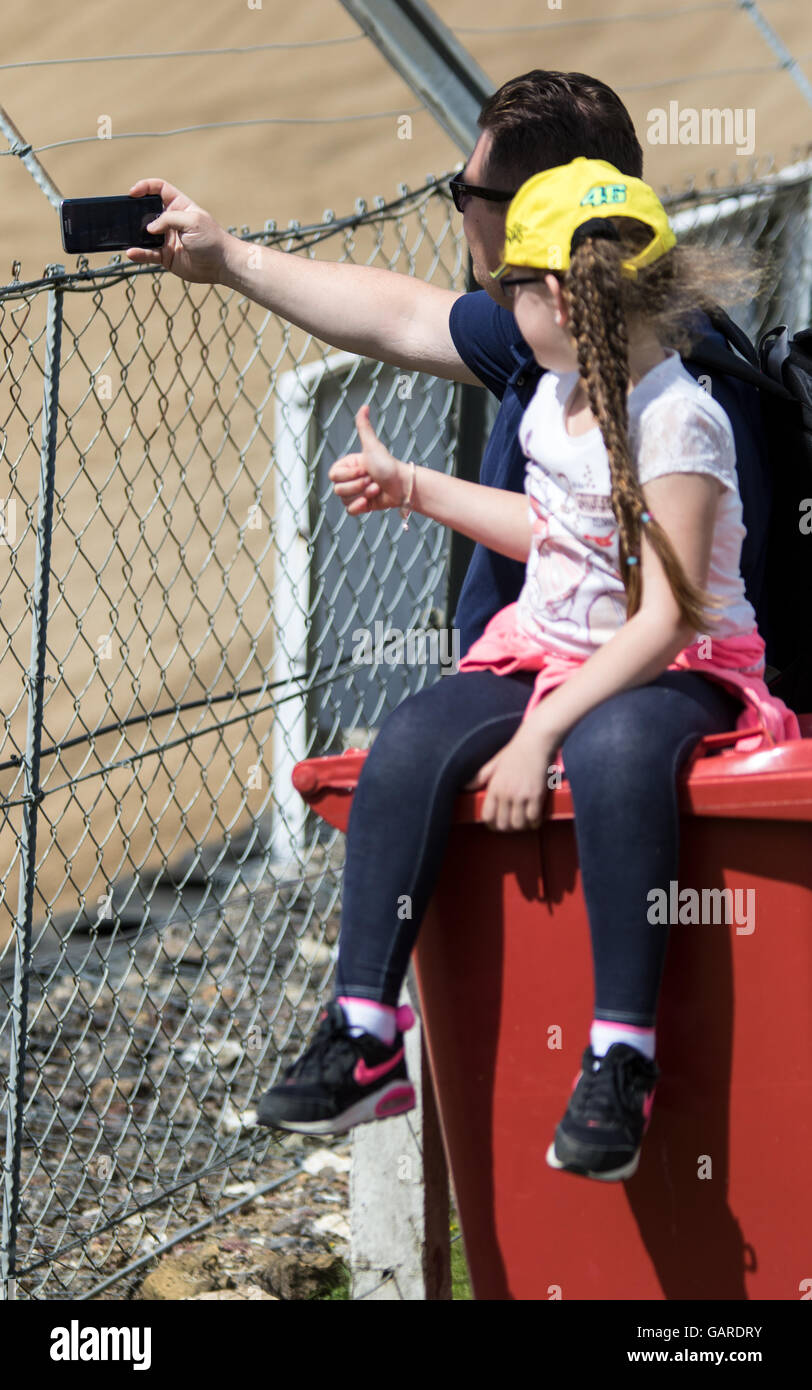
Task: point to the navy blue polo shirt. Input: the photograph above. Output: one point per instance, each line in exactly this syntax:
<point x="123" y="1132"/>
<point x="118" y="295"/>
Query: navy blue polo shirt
<point x="490" y="344"/>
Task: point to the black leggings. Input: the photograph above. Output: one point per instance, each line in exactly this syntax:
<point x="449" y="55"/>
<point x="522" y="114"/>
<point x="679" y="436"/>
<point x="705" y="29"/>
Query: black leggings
<point x="621" y="761"/>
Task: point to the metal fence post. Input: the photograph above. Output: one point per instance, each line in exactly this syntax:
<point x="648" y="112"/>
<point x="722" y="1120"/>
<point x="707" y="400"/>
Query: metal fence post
<point x="32" y="790"/>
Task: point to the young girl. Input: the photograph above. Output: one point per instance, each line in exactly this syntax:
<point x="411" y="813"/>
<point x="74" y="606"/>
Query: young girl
<point x="615" y="656"/>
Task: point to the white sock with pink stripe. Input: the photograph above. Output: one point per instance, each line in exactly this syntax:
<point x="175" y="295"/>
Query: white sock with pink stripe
<point x="367" y="1016"/>
<point x="603" y="1033"/>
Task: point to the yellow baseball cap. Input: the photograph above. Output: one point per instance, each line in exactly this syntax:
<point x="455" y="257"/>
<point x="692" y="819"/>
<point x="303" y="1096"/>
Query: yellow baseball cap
<point x="550" y="207"/>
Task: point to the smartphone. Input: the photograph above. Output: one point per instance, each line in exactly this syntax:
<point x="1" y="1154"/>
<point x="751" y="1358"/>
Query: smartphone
<point x="109" y="224"/>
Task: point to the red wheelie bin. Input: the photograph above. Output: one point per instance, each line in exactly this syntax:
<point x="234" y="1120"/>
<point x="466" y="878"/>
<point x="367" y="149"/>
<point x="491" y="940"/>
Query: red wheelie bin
<point x="720" y="1205"/>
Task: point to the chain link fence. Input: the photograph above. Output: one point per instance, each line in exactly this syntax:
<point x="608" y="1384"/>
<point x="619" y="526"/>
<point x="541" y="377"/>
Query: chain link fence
<point x="187" y="611"/>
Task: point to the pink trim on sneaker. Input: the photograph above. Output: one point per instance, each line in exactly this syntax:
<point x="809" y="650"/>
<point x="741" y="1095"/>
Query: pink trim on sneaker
<point x="627" y="1027"/>
<point x="365" y="1075"/>
<point x="397" y="1100"/>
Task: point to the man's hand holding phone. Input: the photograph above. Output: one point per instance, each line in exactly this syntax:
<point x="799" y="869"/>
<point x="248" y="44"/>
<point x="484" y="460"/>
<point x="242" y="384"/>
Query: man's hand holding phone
<point x="194" y="244"/>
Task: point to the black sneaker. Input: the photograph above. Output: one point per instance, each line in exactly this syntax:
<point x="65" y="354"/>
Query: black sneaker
<point x="608" y="1115"/>
<point x="342" y="1079"/>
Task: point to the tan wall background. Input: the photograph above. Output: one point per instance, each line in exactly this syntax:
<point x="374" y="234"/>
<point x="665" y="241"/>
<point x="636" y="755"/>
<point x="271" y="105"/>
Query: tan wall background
<point x="245" y="176"/>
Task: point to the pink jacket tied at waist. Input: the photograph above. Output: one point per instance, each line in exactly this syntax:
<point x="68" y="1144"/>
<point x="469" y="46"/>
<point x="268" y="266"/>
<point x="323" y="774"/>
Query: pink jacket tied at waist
<point x="737" y="663"/>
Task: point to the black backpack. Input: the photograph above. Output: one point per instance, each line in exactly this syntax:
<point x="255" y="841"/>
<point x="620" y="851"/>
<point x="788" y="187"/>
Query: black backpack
<point x="781" y="369"/>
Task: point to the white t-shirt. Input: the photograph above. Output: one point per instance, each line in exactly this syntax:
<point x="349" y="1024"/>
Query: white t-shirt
<point x="573" y="598"/>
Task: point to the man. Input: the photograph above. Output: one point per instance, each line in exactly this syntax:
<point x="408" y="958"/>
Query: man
<point x="532" y="122"/>
<point x="537" y="121"/>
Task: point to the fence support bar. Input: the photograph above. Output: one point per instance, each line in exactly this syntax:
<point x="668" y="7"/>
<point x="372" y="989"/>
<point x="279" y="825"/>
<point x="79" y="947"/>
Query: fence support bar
<point x="21" y="147"/>
<point x="443" y="74"/>
<point x="32" y="792"/>
<point x="779" y="48"/>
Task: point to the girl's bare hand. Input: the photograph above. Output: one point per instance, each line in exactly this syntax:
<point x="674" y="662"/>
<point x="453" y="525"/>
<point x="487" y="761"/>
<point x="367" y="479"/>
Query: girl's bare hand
<point x="516" y="778"/>
<point x="372" y="480"/>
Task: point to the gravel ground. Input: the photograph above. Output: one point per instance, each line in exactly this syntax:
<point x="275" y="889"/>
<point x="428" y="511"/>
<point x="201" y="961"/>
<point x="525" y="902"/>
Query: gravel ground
<point x="147" y="1054"/>
<point x="291" y="1243"/>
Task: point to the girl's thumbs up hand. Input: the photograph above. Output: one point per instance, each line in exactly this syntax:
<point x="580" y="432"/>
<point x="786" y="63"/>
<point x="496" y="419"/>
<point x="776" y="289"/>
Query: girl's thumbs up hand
<point x="371" y="480"/>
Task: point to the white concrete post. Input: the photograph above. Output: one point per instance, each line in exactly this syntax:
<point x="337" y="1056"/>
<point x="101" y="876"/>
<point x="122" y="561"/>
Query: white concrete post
<point x="399" y="1192"/>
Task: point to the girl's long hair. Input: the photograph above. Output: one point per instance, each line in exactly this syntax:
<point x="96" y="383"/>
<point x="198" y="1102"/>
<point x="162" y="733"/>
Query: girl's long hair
<point x="666" y="296"/>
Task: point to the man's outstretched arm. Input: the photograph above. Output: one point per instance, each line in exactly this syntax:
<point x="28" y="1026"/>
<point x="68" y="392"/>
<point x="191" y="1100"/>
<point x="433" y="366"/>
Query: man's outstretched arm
<point x="376" y="313"/>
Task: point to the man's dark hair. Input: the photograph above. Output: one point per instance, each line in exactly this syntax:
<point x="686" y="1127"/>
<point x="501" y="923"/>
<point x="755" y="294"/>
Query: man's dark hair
<point x="543" y="119"/>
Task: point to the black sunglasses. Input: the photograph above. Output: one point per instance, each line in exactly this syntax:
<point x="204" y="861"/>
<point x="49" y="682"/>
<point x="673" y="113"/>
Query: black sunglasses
<point x="509" y="282"/>
<point x="460" y="190"/>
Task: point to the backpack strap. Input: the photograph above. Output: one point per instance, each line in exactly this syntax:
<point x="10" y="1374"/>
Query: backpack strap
<point x="724" y="324"/>
<point x="721" y="359"/>
<point x="775" y="349"/>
